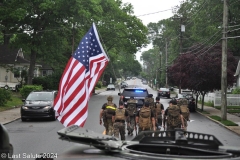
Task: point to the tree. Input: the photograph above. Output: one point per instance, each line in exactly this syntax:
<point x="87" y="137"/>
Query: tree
<point x="202" y="73"/>
<point x="47" y="29"/>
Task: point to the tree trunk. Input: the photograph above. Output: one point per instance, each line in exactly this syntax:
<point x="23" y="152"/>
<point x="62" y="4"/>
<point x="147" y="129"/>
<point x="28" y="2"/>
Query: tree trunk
<point x="196" y="101"/>
<point x="203" y="95"/>
<point x="32" y="66"/>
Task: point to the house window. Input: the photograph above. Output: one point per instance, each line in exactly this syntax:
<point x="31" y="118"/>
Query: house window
<point x="49" y="72"/>
<point x="17" y="72"/>
<point x="44" y="73"/>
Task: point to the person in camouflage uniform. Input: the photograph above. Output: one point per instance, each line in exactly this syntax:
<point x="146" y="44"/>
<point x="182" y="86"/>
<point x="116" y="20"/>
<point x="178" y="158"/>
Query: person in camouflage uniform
<point x="173" y="117"/>
<point x="185" y="112"/>
<point x="132" y="109"/>
<point x="145" y="119"/>
<point x="119" y="118"/>
<point x="106" y="113"/>
<point x="159" y="111"/>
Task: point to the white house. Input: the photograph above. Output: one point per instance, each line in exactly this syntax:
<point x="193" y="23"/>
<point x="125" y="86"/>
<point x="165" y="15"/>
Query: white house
<point x="10" y="59"/>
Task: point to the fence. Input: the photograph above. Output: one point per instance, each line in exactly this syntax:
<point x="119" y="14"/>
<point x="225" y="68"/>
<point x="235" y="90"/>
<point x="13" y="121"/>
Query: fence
<point x="232" y="99"/>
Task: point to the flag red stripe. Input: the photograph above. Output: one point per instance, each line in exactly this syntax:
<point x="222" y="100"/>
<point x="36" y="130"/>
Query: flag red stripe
<point x="78" y="88"/>
<point x="60" y="90"/>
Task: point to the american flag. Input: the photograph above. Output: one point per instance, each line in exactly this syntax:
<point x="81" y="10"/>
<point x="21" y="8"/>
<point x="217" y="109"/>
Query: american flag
<point x="79" y="78"/>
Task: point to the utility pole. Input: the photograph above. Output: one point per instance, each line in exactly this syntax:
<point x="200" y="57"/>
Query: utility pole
<point x="182" y="29"/>
<point x="224" y="62"/>
<point x="166" y="64"/>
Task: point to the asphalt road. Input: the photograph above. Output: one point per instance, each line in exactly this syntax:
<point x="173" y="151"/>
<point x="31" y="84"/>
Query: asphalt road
<point x="34" y="137"/>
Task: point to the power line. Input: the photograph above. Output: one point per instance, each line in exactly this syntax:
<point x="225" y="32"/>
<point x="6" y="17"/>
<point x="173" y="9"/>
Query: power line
<point x="153" y="13"/>
<point x="197" y="12"/>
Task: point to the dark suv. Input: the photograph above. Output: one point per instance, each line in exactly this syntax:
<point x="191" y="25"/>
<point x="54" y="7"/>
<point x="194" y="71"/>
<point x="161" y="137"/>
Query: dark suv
<point x="138" y="93"/>
<point x="38" y="104"/>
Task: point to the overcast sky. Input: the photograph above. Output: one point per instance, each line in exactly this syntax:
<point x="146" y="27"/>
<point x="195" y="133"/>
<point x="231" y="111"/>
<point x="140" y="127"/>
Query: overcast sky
<point x="144" y="8"/>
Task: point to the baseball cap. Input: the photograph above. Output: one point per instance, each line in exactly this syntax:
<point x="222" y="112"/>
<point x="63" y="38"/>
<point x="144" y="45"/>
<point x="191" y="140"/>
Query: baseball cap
<point x="173" y="101"/>
<point x="146" y="104"/>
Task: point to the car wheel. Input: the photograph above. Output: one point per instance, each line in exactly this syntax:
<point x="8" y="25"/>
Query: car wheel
<point x="23" y="119"/>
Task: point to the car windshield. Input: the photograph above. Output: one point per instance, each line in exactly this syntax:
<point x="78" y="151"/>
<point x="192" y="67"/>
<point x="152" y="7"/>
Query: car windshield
<point x="135" y="92"/>
<point x="38" y="96"/>
<point x="110" y="85"/>
<point x="164" y="89"/>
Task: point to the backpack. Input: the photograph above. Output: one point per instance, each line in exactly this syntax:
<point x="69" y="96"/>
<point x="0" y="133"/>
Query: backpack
<point x="131" y="107"/>
<point x="151" y="103"/>
<point x="110" y="110"/>
<point x="173" y="118"/>
<point x="185" y="112"/>
<point x="158" y="110"/>
<point x="145" y="118"/>
<point x="120" y="114"/>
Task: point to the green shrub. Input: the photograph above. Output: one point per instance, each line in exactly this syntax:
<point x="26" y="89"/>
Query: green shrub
<point x="25" y="90"/>
<point x="99" y="84"/>
<point x="236" y="91"/>
<point x="209" y="103"/>
<point x="5" y="96"/>
<point x="225" y="122"/>
<point x="50" y="82"/>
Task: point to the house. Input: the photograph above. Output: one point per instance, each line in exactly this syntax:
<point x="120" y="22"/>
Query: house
<point x="13" y="59"/>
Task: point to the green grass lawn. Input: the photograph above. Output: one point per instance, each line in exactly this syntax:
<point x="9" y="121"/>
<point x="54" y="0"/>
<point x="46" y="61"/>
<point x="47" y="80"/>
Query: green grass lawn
<point x="225" y="122"/>
<point x="16" y="101"/>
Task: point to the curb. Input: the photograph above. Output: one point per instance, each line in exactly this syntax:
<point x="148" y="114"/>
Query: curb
<point x="11" y="121"/>
<point x="218" y="122"/>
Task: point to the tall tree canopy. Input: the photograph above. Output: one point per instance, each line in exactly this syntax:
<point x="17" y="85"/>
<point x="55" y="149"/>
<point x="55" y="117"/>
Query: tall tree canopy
<point x="50" y="30"/>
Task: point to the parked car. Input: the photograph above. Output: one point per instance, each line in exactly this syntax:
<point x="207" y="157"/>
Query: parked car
<point x="123" y="85"/>
<point x="144" y="82"/>
<point x="38" y="104"/>
<point x="110" y="87"/>
<point x="164" y="92"/>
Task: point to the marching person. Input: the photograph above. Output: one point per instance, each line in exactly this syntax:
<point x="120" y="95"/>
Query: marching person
<point x="173" y="117"/>
<point x="106" y="115"/>
<point x="159" y="108"/>
<point x="119" y="118"/>
<point x="132" y="109"/>
<point x="145" y="118"/>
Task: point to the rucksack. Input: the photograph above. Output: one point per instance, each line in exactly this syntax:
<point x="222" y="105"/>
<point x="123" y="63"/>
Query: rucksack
<point x="145" y="118"/>
<point x="185" y="112"/>
<point x="131" y="107"/>
<point x="158" y="110"/>
<point x="173" y="118"/>
<point x="151" y="103"/>
<point x="120" y="114"/>
<point x="109" y="111"/>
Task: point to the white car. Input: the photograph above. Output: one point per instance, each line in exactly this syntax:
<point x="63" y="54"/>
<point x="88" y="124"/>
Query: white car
<point x="111" y="87"/>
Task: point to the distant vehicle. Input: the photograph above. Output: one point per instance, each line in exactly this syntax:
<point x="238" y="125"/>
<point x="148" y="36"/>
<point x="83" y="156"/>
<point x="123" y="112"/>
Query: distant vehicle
<point x="39" y="104"/>
<point x="164" y="92"/>
<point x="128" y="78"/>
<point x="138" y="93"/>
<point x="123" y="85"/>
<point x="144" y="82"/>
<point x="111" y="87"/>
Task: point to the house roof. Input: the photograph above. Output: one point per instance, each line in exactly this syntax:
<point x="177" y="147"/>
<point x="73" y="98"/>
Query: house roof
<point x="238" y="69"/>
<point x="11" y="55"/>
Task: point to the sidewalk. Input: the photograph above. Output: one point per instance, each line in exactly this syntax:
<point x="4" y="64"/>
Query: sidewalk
<point x="230" y="117"/>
